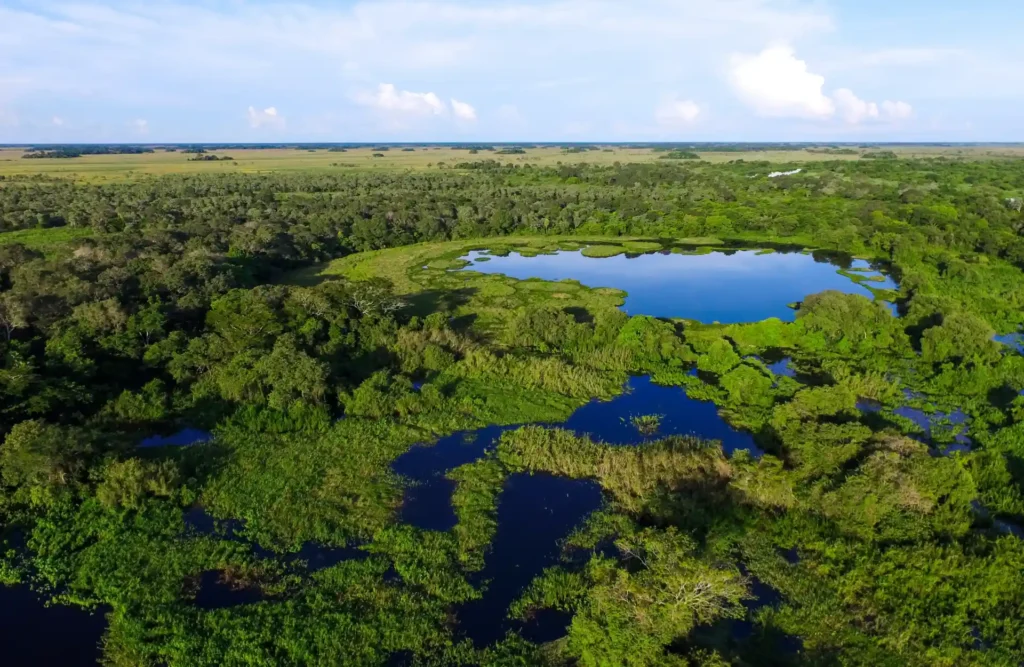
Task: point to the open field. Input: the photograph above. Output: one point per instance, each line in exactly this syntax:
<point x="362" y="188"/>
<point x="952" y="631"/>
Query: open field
<point x="254" y="160"/>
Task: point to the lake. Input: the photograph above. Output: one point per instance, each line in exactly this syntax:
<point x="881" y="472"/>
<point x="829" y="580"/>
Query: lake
<point x="720" y="286"/>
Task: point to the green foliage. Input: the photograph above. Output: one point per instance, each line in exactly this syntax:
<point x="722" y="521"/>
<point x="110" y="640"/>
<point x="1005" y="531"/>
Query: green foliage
<point x="125" y="484"/>
<point x="720" y="358"/>
<point x="961" y="337"/>
<point x="128" y="307"/>
<point x="630" y="615"/>
<point x="40" y="455"/>
<point x="475" y="500"/>
<point x="646" y="425"/>
<point x="849" y="325"/>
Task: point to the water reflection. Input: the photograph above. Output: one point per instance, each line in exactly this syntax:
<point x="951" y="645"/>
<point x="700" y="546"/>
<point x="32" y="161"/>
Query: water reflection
<point x="1014" y="341"/>
<point x="740" y="286"/>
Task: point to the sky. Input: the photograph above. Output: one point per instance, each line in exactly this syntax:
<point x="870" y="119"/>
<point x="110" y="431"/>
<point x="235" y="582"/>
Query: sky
<point x="517" y="70"/>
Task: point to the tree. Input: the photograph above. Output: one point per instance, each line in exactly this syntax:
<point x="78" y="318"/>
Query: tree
<point x="13" y="314"/>
<point x="124" y="484"/>
<point x="375" y="296"/>
<point x="961" y="336"/>
<point x="39" y="454"/>
<point x="292" y="374"/>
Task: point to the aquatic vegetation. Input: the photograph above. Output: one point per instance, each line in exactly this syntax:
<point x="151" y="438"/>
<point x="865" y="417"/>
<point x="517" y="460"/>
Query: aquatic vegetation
<point x="646" y="425"/>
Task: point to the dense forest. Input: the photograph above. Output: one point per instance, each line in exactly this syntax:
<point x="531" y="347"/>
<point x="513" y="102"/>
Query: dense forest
<point x="857" y="538"/>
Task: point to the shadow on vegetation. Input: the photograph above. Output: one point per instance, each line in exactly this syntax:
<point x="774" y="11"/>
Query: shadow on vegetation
<point x="425" y="303"/>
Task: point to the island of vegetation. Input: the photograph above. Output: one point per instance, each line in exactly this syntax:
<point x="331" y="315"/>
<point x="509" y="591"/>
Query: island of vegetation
<point x="219" y="390"/>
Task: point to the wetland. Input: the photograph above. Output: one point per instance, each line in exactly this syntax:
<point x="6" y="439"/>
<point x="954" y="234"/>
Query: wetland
<point x="504" y="415"/>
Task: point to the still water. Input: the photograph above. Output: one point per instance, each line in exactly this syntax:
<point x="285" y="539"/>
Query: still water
<point x="33" y="634"/>
<point x="536" y="512"/>
<point x="726" y="287"/>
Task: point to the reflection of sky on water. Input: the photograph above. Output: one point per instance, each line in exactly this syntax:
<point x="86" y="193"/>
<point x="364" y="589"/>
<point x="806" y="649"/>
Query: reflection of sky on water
<point x="740" y="287"/>
<point x="1014" y="340"/>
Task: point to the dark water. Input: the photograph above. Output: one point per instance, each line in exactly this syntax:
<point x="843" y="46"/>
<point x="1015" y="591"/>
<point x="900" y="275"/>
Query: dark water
<point x="955" y="421"/>
<point x="34" y="634"/>
<point x="681" y="415"/>
<point x="742" y="286"/>
<point x="427" y="505"/>
<point x="536" y="512"/>
<point x="930" y="423"/>
<point x="183" y="438"/>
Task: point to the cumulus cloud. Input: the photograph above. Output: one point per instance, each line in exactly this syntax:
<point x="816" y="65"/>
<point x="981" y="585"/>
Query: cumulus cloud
<point x="269" y="117"/>
<point x="853" y="109"/>
<point x="776" y="83"/>
<point x="897" y="110"/>
<point x="463" y="110"/>
<point x="141" y="126"/>
<point x="677" y="112"/>
<point x="388" y="98"/>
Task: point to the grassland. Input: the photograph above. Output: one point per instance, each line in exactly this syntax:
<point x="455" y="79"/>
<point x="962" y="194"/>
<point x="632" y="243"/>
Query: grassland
<point x="256" y="160"/>
<point x="47" y="240"/>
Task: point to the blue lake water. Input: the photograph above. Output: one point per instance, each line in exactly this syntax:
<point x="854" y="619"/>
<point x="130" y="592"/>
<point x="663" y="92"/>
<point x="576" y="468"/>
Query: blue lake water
<point x="535" y="512"/>
<point x="741" y="286"/>
<point x="1014" y="340"/>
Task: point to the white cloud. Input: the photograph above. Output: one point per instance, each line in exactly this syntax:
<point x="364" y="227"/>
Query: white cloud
<point x="141" y="126"/>
<point x="897" y="110"/>
<point x="677" y="112"/>
<point x="389" y="99"/>
<point x="852" y="109"/>
<point x="57" y="121"/>
<point x="269" y="117"/>
<point x="194" y="61"/>
<point x="463" y="110"/>
<point x="776" y="83"/>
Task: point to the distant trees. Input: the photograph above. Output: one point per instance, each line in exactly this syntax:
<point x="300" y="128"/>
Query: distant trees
<point x="210" y="158"/>
<point x="679" y="155"/>
<point x="65" y="152"/>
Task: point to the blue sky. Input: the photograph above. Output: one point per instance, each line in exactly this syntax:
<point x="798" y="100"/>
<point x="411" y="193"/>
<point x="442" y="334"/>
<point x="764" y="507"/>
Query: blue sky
<point x="540" y="70"/>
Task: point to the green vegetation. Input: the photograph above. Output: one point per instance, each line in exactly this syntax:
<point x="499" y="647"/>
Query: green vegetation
<point x="312" y="321"/>
<point x="679" y="155"/>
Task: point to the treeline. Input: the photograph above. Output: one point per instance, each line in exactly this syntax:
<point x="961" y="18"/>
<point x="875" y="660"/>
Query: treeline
<point x="883" y="206"/>
<point x="79" y="151"/>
